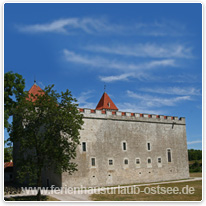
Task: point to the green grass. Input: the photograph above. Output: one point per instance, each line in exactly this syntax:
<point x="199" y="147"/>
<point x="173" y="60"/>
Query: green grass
<point x="31" y="198"/>
<point x="197" y="196"/>
<point x="196" y="174"/>
<point x="193" y="161"/>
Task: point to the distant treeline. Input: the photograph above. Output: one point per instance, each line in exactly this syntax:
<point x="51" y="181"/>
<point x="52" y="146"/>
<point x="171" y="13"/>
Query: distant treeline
<point x="194" y="154"/>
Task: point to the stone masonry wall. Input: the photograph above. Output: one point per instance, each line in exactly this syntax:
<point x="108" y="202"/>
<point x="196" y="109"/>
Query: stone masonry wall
<point x="104" y="133"/>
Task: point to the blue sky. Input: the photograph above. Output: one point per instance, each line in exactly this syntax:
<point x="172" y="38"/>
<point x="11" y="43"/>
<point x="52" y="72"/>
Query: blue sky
<point x="148" y="55"/>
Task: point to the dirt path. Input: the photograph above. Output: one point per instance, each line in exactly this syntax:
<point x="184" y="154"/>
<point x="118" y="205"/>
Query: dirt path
<point x="83" y="195"/>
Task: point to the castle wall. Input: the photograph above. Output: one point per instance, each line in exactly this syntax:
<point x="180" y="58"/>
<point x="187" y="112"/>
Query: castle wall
<point x="104" y="133"/>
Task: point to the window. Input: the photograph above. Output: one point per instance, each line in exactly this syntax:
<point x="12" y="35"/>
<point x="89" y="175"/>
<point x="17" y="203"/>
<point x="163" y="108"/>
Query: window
<point x="148" y="146"/>
<point x="110" y="162"/>
<point x="137" y="161"/>
<point x="149" y="161"/>
<point x="159" y="160"/>
<point x="124" y="145"/>
<point x="169" y="158"/>
<point x="126" y="161"/>
<point x="93" y="161"/>
<point x="84" y="146"/>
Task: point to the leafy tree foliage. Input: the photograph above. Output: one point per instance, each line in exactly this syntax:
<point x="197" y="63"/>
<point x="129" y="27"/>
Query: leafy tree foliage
<point x="47" y="133"/>
<point x="13" y="90"/>
<point x="8" y="153"/>
<point x="194" y="154"/>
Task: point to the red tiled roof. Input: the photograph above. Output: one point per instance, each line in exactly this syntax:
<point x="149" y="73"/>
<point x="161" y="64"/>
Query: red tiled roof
<point x="8" y="164"/>
<point x="35" y="90"/>
<point x="106" y="103"/>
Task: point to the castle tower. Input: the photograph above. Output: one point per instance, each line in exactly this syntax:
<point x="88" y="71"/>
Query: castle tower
<point x="106" y="103"/>
<point x="35" y="91"/>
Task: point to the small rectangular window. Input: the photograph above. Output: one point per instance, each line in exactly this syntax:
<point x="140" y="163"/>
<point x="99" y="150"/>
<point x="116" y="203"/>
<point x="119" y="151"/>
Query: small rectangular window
<point x="110" y="162"/>
<point x="126" y="162"/>
<point x="169" y="155"/>
<point x="84" y="146"/>
<point x="93" y="161"/>
<point x="159" y="160"/>
<point x="137" y="161"/>
<point x="148" y="146"/>
<point x="124" y="146"/>
<point x="149" y="161"/>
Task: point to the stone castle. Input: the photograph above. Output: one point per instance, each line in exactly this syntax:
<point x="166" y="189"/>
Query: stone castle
<point x="122" y="148"/>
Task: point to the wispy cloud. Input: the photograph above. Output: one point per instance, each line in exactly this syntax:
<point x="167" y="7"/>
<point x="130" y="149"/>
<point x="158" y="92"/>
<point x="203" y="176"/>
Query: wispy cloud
<point x="140" y="75"/>
<point x="82" y="99"/>
<point x="194" y="142"/>
<point x="154" y="101"/>
<point x="173" y="90"/>
<point x="113" y="78"/>
<point x="100" y="25"/>
<point x="131" y="107"/>
<point x="72" y="25"/>
<point x="145" y="50"/>
<point x="96" y="61"/>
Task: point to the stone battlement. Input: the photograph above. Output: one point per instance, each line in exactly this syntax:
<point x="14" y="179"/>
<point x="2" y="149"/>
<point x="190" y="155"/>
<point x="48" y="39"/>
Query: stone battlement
<point x="128" y="116"/>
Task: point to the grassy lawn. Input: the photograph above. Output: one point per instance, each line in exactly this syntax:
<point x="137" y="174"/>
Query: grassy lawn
<point x="196" y="174"/>
<point x="31" y="198"/>
<point x="197" y="196"/>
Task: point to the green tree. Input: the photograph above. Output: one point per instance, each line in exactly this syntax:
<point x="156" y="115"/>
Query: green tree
<point x="13" y="91"/>
<point x="194" y="154"/>
<point x="8" y="153"/>
<point x="47" y="132"/>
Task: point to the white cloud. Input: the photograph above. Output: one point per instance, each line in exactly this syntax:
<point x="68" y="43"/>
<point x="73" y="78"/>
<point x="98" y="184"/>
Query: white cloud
<point x="173" y="90"/>
<point x="96" y="61"/>
<point x="71" y="25"/>
<point x="97" y="25"/>
<point x="145" y="50"/>
<point x="153" y="101"/>
<point x="123" y="77"/>
<point x="194" y="142"/>
<point x="82" y="99"/>
<point x="130" y="107"/>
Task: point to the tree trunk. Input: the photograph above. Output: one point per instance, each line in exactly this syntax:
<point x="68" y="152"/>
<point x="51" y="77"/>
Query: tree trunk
<point x="39" y="186"/>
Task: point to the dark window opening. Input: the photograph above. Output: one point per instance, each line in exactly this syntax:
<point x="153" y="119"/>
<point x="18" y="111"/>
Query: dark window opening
<point x="149" y="161"/>
<point x="159" y="160"/>
<point x="110" y="162"/>
<point x="126" y="162"/>
<point x="169" y="155"/>
<point x="137" y="161"/>
<point x="148" y="146"/>
<point x="124" y="146"/>
<point x="84" y="146"/>
<point x="93" y="161"/>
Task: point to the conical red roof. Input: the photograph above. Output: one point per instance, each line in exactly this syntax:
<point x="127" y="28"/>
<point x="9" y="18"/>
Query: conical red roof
<point x="106" y="103"/>
<point x="35" y="90"/>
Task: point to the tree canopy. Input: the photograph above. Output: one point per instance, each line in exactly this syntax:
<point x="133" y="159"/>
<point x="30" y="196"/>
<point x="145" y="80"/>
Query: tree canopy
<point x="8" y="153"/>
<point x="47" y="132"/>
<point x="194" y="154"/>
<point x="13" y="91"/>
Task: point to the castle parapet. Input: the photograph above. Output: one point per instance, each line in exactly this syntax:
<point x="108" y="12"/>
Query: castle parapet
<point x="129" y="116"/>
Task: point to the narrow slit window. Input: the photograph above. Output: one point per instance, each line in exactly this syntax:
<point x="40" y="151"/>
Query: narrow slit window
<point x="149" y="161"/>
<point x="148" y="146"/>
<point x="93" y="161"/>
<point x="124" y="146"/>
<point x="159" y="160"/>
<point x="84" y="148"/>
<point x="169" y="155"/>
